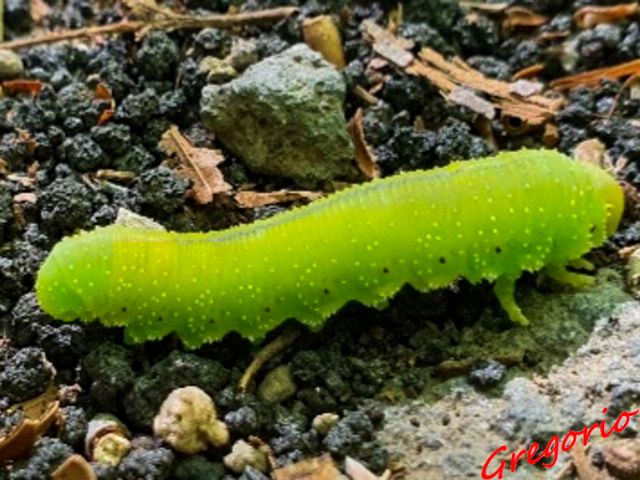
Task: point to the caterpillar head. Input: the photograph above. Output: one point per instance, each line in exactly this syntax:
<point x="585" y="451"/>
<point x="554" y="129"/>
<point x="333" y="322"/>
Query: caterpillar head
<point x="74" y="269"/>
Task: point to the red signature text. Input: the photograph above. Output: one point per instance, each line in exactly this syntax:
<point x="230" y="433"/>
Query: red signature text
<point x="548" y="456"/>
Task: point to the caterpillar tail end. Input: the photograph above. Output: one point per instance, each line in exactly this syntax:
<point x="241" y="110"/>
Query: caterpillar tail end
<point x="504" y="289"/>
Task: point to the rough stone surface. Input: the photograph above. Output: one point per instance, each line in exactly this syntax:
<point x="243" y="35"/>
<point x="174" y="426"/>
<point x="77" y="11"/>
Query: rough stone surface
<point x="277" y="386"/>
<point x="453" y="437"/>
<point x="284" y="117"/>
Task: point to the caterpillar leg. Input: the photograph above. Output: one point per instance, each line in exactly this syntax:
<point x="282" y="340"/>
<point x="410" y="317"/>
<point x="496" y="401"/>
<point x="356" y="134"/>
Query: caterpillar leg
<point x="582" y="264"/>
<point x="504" y="289"/>
<point x="562" y="275"/>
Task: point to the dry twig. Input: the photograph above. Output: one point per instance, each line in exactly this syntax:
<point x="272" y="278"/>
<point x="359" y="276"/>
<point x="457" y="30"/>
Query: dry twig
<point x="172" y="22"/>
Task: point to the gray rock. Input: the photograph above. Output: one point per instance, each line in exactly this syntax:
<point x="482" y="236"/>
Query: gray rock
<point x="10" y="65"/>
<point x="277" y="386"/>
<point x="284" y="117"/>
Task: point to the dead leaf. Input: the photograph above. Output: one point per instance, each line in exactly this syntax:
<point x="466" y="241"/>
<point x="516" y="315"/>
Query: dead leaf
<point x="319" y="468"/>
<point x="39" y="414"/>
<point x="251" y="199"/>
<point x="592" y="78"/>
<point x="364" y="158"/>
<point x="322" y="35"/>
<point x="39" y="10"/>
<point x="468" y="98"/>
<point x="102" y="92"/>
<point x="590" y="16"/>
<point x="105" y="116"/>
<point x="31" y="87"/>
<point x="583" y="466"/>
<point x="522" y="17"/>
<point x="200" y="165"/>
<point x="4" y="168"/>
<point x="357" y="471"/>
<point x="622" y="458"/>
<point x="530" y="71"/>
<point x="75" y="467"/>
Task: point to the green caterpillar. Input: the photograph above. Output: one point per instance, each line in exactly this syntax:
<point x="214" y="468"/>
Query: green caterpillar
<point x="480" y="219"/>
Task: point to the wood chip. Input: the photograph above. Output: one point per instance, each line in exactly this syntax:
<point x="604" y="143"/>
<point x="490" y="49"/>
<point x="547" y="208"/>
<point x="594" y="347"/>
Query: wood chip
<point x="589" y="17"/>
<point x="364" y="157"/>
<point x="534" y="110"/>
<point x="200" y="165"/>
<point x="387" y="45"/>
<point x="468" y="98"/>
<point x="320" y="468"/>
<point x="251" y="199"/>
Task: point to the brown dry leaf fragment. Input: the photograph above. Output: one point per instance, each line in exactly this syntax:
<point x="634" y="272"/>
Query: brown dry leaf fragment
<point x="589" y="17"/>
<point x="31" y="87"/>
<point x="105" y="116"/>
<point x="357" y="471"/>
<point x="583" y="466"/>
<point x="74" y="467"/>
<point x="517" y="17"/>
<point x="468" y="98"/>
<point x="364" y="158"/>
<point x="251" y="199"/>
<point x="38" y="10"/>
<point x="200" y="165"/>
<point x="592" y="78"/>
<point x="102" y="92"/>
<point x="528" y="72"/>
<point x="319" y="468"/>
<point x="322" y="35"/>
<point x="39" y="415"/>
